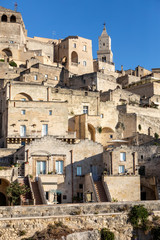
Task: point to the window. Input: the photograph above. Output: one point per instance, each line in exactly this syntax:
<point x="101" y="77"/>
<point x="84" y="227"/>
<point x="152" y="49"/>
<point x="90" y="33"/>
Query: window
<point x="46" y="75"/>
<point x="84" y="63"/>
<point x="23" y="131"/>
<point x="103" y="59"/>
<point x="84" y="48"/>
<point x="50" y="112"/>
<point x="122" y="156"/>
<point x="79" y="171"/>
<point x="44" y="130"/>
<point x="102" y="115"/>
<point x="85" y="109"/>
<point x="23" y="99"/>
<point x="59" y="167"/>
<point x="64" y="197"/>
<point x="23" y="112"/>
<point x="41" y="167"/>
<point x="74" y="45"/>
<point x="121" y="169"/>
<point x="35" y="77"/>
<point x="103" y="44"/>
<point x="111" y="136"/>
<point x="56" y="78"/>
<point x="47" y="195"/>
<point x="80" y="186"/>
<point x="11" y="42"/>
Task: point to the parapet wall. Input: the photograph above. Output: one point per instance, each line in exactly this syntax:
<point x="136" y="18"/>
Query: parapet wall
<point x="78" y="217"/>
<point x="73" y="209"/>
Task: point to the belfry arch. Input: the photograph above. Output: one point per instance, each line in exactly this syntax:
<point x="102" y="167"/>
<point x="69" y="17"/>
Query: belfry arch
<point x="4" y="18"/>
<point x="13" y="19"/>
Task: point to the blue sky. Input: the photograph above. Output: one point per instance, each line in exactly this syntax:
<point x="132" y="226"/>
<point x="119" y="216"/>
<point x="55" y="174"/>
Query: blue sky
<point x="134" y="26"/>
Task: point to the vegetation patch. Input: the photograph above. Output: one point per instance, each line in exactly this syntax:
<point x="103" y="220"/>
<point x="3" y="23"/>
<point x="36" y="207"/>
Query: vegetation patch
<point x="15" y="191"/>
<point x="56" y="231"/>
<point x="138" y="216"/>
<point x="106" y="234"/>
<point x="12" y="64"/>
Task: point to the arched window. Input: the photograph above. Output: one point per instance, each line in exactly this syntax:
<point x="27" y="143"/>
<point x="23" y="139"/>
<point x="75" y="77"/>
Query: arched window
<point x="74" y="57"/>
<point x="4" y="18"/>
<point x="12" y="18"/>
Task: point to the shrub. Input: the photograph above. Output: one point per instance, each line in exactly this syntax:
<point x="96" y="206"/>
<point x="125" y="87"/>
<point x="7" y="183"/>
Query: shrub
<point x="156" y="136"/>
<point x="99" y="129"/>
<point x="106" y="234"/>
<point x="22" y="232"/>
<point x="1" y="60"/>
<point x="12" y="64"/>
<point x="138" y="216"/>
<point x="139" y="127"/>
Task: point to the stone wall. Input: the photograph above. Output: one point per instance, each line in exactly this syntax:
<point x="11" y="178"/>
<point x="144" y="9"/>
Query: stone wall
<point x="78" y="217"/>
<point x="123" y="188"/>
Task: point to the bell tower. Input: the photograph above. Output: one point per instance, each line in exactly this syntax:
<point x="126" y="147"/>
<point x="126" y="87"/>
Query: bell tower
<point x="104" y="53"/>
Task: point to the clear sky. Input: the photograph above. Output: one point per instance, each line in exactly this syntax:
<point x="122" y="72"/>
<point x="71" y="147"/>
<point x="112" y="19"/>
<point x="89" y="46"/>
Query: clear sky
<point x="134" y="26"/>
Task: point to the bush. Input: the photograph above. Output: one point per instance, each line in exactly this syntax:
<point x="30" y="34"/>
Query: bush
<point x="12" y="64"/>
<point x="106" y="234"/>
<point x="139" y="127"/>
<point x="22" y="233"/>
<point x="138" y="216"/>
<point x="1" y="60"/>
<point x="156" y="136"/>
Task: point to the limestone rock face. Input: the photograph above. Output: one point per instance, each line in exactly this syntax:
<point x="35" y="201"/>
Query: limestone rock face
<point x="88" y="235"/>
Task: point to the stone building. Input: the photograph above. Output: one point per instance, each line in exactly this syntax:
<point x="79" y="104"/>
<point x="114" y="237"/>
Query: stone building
<point x="64" y="119"/>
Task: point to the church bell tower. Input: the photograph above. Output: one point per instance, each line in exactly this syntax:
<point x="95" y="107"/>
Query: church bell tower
<point x="104" y="53"/>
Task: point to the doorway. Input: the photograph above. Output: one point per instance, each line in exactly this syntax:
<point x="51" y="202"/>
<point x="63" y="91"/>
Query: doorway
<point x="2" y="199"/>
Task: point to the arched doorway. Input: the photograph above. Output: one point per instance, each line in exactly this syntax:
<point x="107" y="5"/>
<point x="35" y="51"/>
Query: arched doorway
<point x="91" y="132"/>
<point x="3" y="201"/>
<point x="74" y="57"/>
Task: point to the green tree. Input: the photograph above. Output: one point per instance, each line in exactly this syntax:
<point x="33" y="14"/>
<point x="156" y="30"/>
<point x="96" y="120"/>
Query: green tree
<point x="14" y="191"/>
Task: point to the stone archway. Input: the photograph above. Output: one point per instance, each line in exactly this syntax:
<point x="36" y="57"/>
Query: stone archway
<point x="3" y="201"/>
<point x="91" y="132"/>
<point x="4" y="183"/>
<point x="23" y="97"/>
<point x="107" y="135"/>
<point x="74" y="57"/>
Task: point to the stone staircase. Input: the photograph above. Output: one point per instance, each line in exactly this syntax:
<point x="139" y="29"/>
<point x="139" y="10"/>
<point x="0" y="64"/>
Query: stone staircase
<point x="100" y="191"/>
<point x="36" y="193"/>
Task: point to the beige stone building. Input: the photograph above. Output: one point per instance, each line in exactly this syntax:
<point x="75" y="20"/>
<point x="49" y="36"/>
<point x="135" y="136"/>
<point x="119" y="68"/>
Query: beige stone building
<point x="64" y="119"/>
